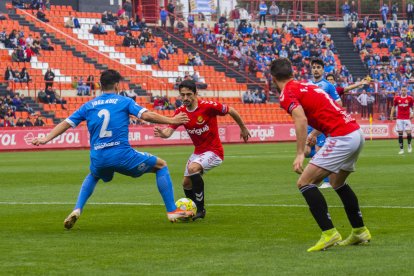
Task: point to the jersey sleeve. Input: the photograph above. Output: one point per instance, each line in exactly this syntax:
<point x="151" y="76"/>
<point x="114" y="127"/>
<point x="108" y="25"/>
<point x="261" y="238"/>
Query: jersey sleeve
<point x="411" y="102"/>
<point x="340" y="90"/>
<point x="289" y="101"/>
<point x="332" y="92"/>
<point x="135" y="109"/>
<point x="218" y="108"/>
<point x="395" y="100"/>
<point x="77" y="117"/>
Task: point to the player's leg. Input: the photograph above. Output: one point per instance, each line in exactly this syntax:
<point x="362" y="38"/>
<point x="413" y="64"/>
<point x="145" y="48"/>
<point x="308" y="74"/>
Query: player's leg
<point x="188" y="188"/>
<point x="86" y="191"/>
<point x="197" y="165"/>
<point x="165" y="188"/>
<point x="409" y="137"/>
<point x="195" y="170"/>
<point x="400" y="131"/>
<point x="318" y="206"/>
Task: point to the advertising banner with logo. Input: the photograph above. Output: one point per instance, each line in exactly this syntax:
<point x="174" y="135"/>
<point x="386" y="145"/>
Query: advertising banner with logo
<point x="19" y="138"/>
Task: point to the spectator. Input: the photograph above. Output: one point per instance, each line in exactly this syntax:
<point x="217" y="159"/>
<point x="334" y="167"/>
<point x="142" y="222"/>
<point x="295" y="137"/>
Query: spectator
<point x="190" y="22"/>
<point x="171" y="13"/>
<point x="28" y="109"/>
<point x="108" y="18"/>
<point x="346" y="12"/>
<point x="47" y="5"/>
<point x="129" y="94"/>
<point x="119" y="30"/>
<point x="76" y="23"/>
<point x="132" y="25"/>
<point x="24" y="76"/>
<point x="45" y="45"/>
<point x="122" y="13"/>
<point x="28" y="122"/>
<point x="384" y="13"/>
<point x="69" y="22"/>
<point x="197" y="60"/>
<point x="8" y="121"/>
<point x="163" y="18"/>
<point x="247" y="97"/>
<point x="49" y="78"/>
<point x="142" y="24"/>
<point x="163" y="53"/>
<point x="180" y="26"/>
<point x="39" y="121"/>
<point x="41" y="15"/>
<point x="83" y="88"/>
<point x="410" y="13"/>
<point x="10" y="75"/>
<point x="274" y="12"/>
<point x="262" y="13"/>
<point x="235" y="16"/>
<point x="90" y="82"/>
<point x="363" y="100"/>
<point x="20" y="123"/>
<point x="394" y="11"/>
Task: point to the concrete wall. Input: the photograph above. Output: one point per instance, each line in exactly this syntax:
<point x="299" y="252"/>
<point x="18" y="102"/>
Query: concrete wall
<point x="99" y="5"/>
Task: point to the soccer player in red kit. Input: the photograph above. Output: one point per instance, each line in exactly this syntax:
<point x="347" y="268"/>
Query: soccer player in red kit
<point x="404" y="104"/>
<point x="308" y="104"/>
<point x="203" y="131"/>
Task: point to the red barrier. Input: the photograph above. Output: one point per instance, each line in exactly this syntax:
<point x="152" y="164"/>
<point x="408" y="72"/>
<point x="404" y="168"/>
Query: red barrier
<point x="19" y="138"/>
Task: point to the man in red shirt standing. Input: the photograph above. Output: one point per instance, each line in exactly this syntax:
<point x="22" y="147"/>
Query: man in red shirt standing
<point x="310" y="105"/>
<point x="404" y="105"/>
<point x="203" y="131"/>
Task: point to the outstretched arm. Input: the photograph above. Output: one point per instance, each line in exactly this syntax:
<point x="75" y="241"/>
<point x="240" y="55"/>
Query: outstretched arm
<point x="301" y="123"/>
<point x="56" y="131"/>
<point x="244" y="132"/>
<point x="163" y="133"/>
<point x="392" y="113"/>
<point x="355" y="85"/>
<point x="153" y="117"/>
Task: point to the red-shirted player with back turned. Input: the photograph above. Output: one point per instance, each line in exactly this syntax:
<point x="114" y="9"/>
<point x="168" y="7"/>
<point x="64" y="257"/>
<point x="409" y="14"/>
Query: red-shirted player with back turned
<point x="310" y="105"/>
<point x="203" y="131"/>
<point x="404" y="105"/>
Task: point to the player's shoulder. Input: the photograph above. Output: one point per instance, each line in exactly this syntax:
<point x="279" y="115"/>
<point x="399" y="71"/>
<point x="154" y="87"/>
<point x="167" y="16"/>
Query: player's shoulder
<point x="181" y="109"/>
<point x="207" y="103"/>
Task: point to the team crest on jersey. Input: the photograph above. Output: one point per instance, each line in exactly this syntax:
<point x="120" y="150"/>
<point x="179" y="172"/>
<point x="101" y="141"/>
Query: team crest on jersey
<point x="200" y="120"/>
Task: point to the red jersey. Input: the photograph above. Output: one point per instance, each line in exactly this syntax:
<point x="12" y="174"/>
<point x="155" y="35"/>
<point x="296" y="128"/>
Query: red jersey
<point x="340" y="90"/>
<point x="202" y="127"/>
<point x="403" y="104"/>
<point x="321" y="111"/>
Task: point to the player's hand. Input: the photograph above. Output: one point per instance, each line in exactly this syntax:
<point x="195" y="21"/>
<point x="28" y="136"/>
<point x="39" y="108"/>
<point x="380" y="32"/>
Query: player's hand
<point x="298" y="163"/>
<point x="391" y="118"/>
<point x="180" y="119"/>
<point x="158" y="132"/>
<point x="311" y="140"/>
<point x="245" y="134"/>
<point x="39" y="141"/>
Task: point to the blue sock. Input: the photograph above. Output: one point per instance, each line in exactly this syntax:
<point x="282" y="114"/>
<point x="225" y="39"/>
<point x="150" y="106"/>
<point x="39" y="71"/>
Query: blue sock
<point x="326" y="179"/>
<point x="86" y="190"/>
<point x="165" y="188"/>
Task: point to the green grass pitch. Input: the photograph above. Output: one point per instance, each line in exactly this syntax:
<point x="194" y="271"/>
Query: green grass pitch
<point x="256" y="224"/>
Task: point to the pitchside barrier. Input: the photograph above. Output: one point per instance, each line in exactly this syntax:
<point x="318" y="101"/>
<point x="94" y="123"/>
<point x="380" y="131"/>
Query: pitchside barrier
<point x="19" y="139"/>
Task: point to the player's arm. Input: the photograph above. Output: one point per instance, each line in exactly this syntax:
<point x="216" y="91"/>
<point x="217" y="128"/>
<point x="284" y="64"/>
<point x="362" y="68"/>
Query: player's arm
<point x="153" y="117"/>
<point x="312" y="136"/>
<point x="355" y="85"/>
<point x="301" y="123"/>
<point x="244" y="132"/>
<point x="163" y="133"/>
<point x="392" y="113"/>
<point x="56" y="131"/>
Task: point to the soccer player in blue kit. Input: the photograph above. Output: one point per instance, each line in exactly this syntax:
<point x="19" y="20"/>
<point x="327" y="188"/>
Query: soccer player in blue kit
<point x="317" y="68"/>
<point x="107" y="118"/>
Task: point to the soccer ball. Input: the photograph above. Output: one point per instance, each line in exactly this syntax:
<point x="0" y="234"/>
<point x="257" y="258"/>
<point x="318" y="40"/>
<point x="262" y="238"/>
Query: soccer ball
<point x="186" y="204"/>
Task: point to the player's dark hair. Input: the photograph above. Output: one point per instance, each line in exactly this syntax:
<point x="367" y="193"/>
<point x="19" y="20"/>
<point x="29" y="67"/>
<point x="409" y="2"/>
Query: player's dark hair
<point x="109" y="78"/>
<point x="317" y="61"/>
<point x="189" y="84"/>
<point x="281" y="69"/>
<point x="331" y="75"/>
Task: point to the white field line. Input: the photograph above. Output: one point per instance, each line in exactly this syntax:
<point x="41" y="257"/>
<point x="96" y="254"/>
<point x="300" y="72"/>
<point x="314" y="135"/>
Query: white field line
<point x="218" y="204"/>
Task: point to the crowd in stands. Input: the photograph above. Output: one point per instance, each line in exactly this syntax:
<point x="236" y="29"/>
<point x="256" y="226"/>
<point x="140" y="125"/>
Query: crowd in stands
<point x="84" y="87"/>
<point x="13" y="103"/>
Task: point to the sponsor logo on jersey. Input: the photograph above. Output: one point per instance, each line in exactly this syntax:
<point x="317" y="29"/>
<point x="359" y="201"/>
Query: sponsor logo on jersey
<point x="198" y="131"/>
<point x="200" y="120"/>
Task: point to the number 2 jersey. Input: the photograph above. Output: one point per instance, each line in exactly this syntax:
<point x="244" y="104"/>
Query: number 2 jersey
<point x="202" y="127"/>
<point x="107" y="119"/>
<point x="404" y="105"/>
<point x="321" y="111"/>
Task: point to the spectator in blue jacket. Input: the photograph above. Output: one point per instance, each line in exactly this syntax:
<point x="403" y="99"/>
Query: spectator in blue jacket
<point x="262" y="12"/>
<point x="346" y="12"/>
<point x="163" y="17"/>
<point x="384" y="13"/>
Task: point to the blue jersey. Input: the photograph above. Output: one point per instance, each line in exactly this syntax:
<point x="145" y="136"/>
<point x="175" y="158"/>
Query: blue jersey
<point x="107" y="118"/>
<point x="329" y="88"/>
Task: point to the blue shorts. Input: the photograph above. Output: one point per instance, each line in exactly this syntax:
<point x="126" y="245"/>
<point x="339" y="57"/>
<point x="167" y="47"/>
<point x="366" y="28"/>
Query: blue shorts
<point x="132" y="163"/>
